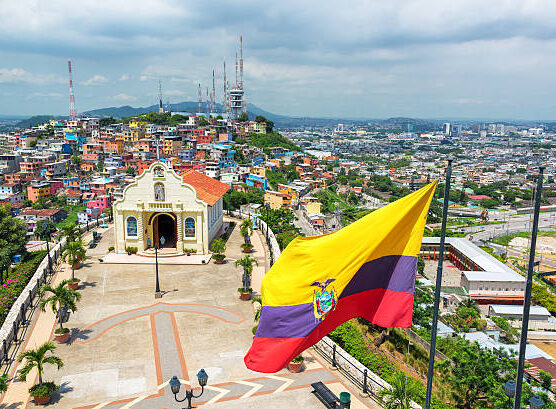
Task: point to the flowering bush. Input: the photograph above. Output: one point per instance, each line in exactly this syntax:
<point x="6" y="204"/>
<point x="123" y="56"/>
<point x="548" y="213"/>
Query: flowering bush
<point x="18" y="277"/>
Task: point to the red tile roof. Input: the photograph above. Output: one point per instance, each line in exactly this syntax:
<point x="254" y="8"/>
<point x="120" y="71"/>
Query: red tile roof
<point x="40" y="212"/>
<point x="209" y="190"/>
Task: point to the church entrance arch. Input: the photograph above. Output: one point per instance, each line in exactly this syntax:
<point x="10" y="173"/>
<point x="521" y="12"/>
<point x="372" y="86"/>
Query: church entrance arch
<point x="165" y="225"/>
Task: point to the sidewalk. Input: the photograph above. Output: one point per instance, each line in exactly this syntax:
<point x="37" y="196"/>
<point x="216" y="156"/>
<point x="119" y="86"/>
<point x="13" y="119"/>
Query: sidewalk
<point x="17" y="395"/>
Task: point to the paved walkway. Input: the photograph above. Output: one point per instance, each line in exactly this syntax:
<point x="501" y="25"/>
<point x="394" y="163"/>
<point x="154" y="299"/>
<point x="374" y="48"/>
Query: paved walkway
<point x="125" y="345"/>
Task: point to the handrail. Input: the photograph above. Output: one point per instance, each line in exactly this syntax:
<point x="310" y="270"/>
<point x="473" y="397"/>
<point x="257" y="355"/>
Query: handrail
<point x="16" y="319"/>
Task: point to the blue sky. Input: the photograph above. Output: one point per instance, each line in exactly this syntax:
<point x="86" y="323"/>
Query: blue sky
<point x="373" y="58"/>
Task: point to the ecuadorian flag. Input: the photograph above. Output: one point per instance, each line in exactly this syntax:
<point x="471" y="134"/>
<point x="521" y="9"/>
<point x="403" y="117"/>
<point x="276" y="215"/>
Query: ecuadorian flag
<point x="366" y="269"/>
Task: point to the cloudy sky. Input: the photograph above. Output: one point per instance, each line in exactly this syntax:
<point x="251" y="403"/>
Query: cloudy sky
<point x="373" y="58"/>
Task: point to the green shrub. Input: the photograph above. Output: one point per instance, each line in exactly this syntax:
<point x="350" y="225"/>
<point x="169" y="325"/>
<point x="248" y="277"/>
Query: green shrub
<point x="43" y="390"/>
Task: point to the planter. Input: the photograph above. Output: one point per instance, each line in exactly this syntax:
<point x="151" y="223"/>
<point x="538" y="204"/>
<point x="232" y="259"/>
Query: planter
<point x="76" y="265"/>
<point x="219" y="261"/>
<point x="247" y="251"/>
<point x="245" y="296"/>
<point x="73" y="286"/>
<point x="295" y="367"/>
<point x="41" y="400"/>
<point x="62" y="338"/>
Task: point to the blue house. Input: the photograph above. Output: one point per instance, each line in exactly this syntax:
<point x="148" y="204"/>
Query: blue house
<point x="256" y="181"/>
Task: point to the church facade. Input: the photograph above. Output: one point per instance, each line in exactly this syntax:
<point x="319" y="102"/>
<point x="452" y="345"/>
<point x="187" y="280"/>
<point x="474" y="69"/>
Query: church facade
<point x="179" y="213"/>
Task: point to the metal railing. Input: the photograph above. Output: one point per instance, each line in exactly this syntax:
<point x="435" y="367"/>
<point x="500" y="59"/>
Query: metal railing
<point x="17" y="321"/>
<point x="359" y="375"/>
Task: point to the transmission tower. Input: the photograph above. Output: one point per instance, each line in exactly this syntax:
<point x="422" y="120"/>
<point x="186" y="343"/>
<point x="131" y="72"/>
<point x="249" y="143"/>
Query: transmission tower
<point x="160" y="107"/>
<point x="224" y="97"/>
<point x="200" y="98"/>
<point x="72" y="111"/>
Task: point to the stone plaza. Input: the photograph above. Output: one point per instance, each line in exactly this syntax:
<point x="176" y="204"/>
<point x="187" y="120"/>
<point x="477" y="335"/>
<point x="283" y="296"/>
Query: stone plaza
<point x="125" y="345"/>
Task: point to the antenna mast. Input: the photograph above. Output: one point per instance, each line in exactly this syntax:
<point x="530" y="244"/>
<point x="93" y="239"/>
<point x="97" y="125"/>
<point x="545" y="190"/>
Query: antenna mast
<point x="207" y="107"/>
<point x="241" y="62"/>
<point x="160" y="107"/>
<point x="72" y="111"/>
<point x="224" y="97"/>
<point x="213" y="95"/>
<point x="200" y="98"/>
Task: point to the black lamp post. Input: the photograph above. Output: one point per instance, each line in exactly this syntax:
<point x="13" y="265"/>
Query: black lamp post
<point x="536" y="402"/>
<point x="157" y="293"/>
<point x="267" y="205"/>
<point x="509" y="389"/>
<point x="46" y="231"/>
<point x="175" y="385"/>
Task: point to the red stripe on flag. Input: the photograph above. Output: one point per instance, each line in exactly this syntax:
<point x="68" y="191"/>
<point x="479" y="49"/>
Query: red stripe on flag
<point x="382" y="307"/>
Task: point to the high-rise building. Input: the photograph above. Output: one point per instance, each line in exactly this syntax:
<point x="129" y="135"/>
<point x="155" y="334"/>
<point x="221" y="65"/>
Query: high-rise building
<point x="446" y="129"/>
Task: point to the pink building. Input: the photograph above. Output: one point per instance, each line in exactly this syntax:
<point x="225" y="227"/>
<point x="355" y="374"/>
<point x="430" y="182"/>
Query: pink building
<point x="102" y="202"/>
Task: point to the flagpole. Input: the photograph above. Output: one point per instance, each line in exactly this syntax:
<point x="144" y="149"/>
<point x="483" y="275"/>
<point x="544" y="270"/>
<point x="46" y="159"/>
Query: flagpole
<point x="432" y="352"/>
<point x="528" y="288"/>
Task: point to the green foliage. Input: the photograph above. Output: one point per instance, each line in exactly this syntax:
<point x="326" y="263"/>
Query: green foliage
<point x="420" y="265"/>
<point x="283" y="175"/>
<point x="546" y="379"/>
<point x="401" y="394"/>
<point x="269" y="124"/>
<point x="130" y="171"/>
<point x="475" y="375"/>
<point x="4" y="383"/>
<point x="246" y="228"/>
<point x="271" y="140"/>
<point x="43" y="390"/>
<point x="12" y="237"/>
<point x="107" y="121"/>
<point x="489" y="203"/>
<point x="219" y="246"/>
<point x="543" y="297"/>
<point x="466" y="316"/>
<point x="280" y="222"/>
<point x="45" y="229"/>
<point x="60" y="296"/>
<point x="36" y="358"/>
<point x="234" y="199"/>
<point x="243" y="117"/>
<point x="17" y="278"/>
<point x="164" y="118"/>
<point x="402" y="163"/>
<point x="73" y="253"/>
<point x="203" y="122"/>
<point x="501" y="322"/>
<point x="247" y="263"/>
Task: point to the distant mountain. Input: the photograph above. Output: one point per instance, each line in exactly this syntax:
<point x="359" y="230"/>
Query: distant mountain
<point x="36" y="120"/>
<point x="191" y="106"/>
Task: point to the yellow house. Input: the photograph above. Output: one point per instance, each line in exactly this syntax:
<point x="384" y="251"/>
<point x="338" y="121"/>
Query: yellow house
<point x="277" y="200"/>
<point x="137" y="124"/>
<point x="133" y="134"/>
<point x="313" y="208"/>
<point x="258" y="171"/>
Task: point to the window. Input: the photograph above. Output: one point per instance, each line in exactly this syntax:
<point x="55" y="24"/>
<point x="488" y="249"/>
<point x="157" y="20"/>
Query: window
<point x="159" y="172"/>
<point x="131" y="227"/>
<point x="159" y="191"/>
<point x="189" y="227"/>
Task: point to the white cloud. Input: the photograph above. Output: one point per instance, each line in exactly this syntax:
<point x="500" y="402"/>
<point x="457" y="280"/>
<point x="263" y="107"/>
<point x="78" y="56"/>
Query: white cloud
<point x="19" y="75"/>
<point x="125" y="77"/>
<point x="96" y="79"/>
<point x="174" y="93"/>
<point x="124" y="97"/>
<point x="45" y="95"/>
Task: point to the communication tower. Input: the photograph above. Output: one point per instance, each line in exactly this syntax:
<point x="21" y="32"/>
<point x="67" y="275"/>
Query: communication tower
<point x="72" y="111"/>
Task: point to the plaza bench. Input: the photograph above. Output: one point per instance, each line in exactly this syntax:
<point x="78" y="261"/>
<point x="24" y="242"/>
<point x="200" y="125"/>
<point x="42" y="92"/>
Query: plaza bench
<point x="325" y="395"/>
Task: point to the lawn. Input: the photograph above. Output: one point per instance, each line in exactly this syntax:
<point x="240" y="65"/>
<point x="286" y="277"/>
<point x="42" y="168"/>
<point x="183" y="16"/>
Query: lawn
<point x="503" y="240"/>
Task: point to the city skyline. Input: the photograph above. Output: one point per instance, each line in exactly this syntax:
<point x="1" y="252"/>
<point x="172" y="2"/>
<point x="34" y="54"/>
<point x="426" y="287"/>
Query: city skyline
<point x="422" y="59"/>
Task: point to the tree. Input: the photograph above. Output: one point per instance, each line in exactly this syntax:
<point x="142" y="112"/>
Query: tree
<point x="36" y="358"/>
<point x="12" y="237"/>
<point x="130" y="171"/>
<point x="402" y="392"/>
<point x="243" y="117"/>
<point x="61" y="296"/>
<point x="246" y="230"/>
<point x="203" y="122"/>
<point x="475" y="375"/>
<point x="45" y="229"/>
<point x="70" y="231"/>
<point x="219" y="248"/>
<point x="247" y="262"/>
<point x="546" y="379"/>
<point x="106" y="121"/>
<point x="73" y="253"/>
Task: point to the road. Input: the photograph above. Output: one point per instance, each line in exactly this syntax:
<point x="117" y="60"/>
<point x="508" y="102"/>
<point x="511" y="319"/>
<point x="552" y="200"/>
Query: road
<point x="517" y="223"/>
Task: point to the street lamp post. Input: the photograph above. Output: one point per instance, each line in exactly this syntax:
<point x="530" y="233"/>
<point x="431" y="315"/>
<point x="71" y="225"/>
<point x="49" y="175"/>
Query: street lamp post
<point x="47" y="238"/>
<point x="267" y="205"/>
<point x="175" y="385"/>
<point x="509" y="389"/>
<point x="157" y="293"/>
<point x="536" y="402"/>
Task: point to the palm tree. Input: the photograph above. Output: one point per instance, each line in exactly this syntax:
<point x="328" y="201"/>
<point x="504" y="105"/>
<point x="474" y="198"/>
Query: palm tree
<point x="70" y="231"/>
<point x="246" y="230"/>
<point x="36" y="358"/>
<point x="401" y="394"/>
<point x="219" y="248"/>
<point x="247" y="263"/>
<point x="73" y="252"/>
<point x="62" y="296"/>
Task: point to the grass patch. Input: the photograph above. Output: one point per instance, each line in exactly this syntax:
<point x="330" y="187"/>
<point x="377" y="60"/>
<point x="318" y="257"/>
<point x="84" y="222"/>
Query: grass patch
<point x="526" y="235"/>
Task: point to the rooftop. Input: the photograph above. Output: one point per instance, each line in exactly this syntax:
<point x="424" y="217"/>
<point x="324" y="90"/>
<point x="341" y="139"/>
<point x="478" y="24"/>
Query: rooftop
<point x="208" y="190"/>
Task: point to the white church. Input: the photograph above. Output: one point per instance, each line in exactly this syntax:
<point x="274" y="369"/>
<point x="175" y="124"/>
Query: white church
<point x="178" y="213"/>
